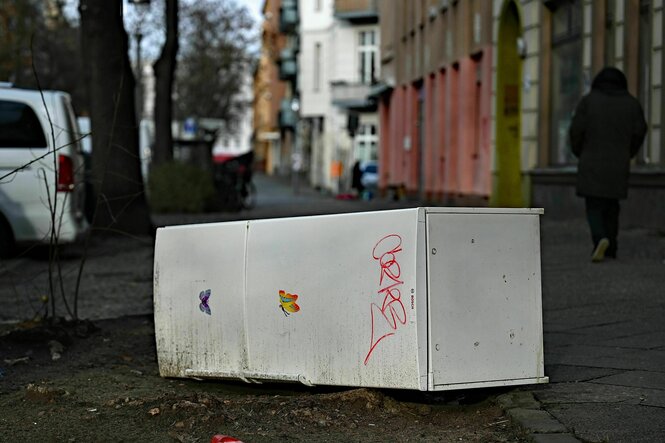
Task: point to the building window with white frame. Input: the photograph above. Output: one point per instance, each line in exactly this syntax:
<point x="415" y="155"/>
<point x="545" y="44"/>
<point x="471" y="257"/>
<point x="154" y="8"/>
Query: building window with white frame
<point x="368" y="51"/>
<point x="645" y="92"/>
<point x="568" y="82"/>
<point x="366" y="141"/>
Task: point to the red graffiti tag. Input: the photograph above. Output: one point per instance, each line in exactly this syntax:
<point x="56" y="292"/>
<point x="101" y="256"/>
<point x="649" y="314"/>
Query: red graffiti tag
<point x="391" y="309"/>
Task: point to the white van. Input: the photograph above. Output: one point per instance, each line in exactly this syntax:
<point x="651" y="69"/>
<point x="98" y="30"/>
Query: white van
<point x="33" y="178"/>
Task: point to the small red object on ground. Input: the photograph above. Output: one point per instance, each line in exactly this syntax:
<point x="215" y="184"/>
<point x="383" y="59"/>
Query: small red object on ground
<point x="224" y="439"/>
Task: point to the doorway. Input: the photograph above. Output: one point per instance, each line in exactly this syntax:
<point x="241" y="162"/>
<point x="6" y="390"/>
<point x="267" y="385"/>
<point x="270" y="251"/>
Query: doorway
<point x="507" y="187"/>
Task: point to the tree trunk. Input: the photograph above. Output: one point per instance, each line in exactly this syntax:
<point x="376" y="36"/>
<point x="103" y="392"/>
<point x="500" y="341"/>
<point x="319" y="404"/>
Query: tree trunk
<point x="116" y="168"/>
<point x="164" y="75"/>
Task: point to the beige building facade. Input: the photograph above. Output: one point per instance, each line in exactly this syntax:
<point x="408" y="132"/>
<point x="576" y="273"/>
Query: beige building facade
<point x="574" y="41"/>
<point x="477" y="97"/>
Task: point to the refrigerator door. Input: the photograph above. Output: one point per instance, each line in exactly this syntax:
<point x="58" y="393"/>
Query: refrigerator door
<point x="199" y="287"/>
<point x="331" y="300"/>
<point x="485" y="314"/>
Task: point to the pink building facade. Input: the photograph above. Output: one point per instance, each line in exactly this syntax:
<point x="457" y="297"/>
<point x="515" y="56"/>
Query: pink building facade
<point x="435" y="114"/>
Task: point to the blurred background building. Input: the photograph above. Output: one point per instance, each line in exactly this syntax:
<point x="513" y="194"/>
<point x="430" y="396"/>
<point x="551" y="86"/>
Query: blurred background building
<point x="269" y="91"/>
<point x="339" y="63"/>
<point x="468" y="102"/>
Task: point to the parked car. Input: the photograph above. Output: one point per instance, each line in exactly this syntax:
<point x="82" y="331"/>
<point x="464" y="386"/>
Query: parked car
<point x="369" y="177"/>
<point x="41" y="168"/>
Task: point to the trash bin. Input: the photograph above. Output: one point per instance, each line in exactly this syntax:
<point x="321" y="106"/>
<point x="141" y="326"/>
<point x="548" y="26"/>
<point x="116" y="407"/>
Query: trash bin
<point x="426" y="299"/>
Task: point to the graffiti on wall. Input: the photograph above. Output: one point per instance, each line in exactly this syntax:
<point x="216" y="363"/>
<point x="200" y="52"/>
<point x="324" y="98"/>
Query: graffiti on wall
<point x="390" y="313"/>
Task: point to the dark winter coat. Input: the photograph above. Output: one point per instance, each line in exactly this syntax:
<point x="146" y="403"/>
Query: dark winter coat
<point x="606" y="132"/>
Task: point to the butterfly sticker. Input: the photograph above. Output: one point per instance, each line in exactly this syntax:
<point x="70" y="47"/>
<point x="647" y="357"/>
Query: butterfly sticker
<point x="204" y="296"/>
<point x="287" y="303"/>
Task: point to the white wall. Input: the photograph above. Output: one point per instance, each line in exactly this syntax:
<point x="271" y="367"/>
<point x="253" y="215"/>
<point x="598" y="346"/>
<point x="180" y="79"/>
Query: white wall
<point x="346" y="61"/>
<point x="315" y="28"/>
<point x="310" y="19"/>
<point x="344" y="53"/>
<point x="314" y="102"/>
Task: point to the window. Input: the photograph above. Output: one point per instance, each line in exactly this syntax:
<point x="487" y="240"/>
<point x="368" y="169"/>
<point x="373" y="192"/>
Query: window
<point x="317" y="67"/>
<point x="368" y="52"/>
<point x="567" y="78"/>
<point x="19" y="126"/>
<point x="610" y="34"/>
<point x="366" y="142"/>
<point x="644" y="92"/>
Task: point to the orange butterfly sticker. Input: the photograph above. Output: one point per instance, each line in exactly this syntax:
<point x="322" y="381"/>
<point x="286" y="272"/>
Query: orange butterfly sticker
<point x="287" y="303"/>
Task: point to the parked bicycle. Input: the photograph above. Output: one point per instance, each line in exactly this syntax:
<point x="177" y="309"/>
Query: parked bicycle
<point x="233" y="179"/>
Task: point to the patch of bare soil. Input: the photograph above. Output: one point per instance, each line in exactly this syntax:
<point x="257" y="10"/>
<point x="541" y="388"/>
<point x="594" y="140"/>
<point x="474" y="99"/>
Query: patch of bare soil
<point x="81" y="385"/>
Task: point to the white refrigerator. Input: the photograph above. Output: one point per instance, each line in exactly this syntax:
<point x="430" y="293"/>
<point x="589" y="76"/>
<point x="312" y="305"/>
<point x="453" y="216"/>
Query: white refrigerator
<point x="426" y="299"/>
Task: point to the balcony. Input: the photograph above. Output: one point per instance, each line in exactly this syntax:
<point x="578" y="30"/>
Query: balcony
<point x="288" y="17"/>
<point x="288" y="64"/>
<point x="357" y="11"/>
<point x="288" y="70"/>
<point x="352" y="95"/>
<point x="287" y="116"/>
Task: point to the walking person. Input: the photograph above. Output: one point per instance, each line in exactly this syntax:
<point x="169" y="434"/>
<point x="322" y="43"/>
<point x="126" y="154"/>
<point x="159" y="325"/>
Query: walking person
<point x="607" y="130"/>
<point x="356" y="179"/>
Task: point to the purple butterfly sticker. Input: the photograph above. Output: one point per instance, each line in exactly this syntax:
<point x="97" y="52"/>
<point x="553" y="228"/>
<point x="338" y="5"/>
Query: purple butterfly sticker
<point x="204" y="296"/>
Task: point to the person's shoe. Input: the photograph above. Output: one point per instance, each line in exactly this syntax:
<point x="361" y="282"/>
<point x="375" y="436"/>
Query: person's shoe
<point x="599" y="253"/>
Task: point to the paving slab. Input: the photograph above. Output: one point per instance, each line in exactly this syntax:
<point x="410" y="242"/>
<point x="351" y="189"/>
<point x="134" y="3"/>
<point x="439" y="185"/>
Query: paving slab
<point x="648" y="340"/>
<point x="642" y="321"/>
<point x="657" y="400"/>
<point x="591" y="315"/>
<point x="615" y="423"/>
<point x="588" y="351"/>
<point x="589" y="393"/>
<point x="647" y="360"/>
<point x="565" y="338"/>
<point x="642" y="379"/>
<point x="603" y="357"/>
<point x="567" y="373"/>
<point x="629" y="326"/>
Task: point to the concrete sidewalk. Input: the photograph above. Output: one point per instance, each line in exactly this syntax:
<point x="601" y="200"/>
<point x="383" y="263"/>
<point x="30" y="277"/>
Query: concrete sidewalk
<point x="604" y="335"/>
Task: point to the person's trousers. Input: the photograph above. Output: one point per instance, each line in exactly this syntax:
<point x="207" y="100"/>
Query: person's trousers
<point x="603" y="217"/>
